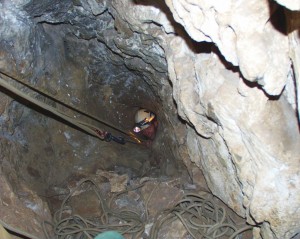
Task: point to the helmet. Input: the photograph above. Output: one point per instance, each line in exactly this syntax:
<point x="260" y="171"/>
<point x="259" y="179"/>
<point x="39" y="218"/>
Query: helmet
<point x="143" y="118"/>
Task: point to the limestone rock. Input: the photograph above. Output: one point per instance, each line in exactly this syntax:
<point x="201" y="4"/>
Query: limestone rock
<point x="163" y="196"/>
<point x="17" y="208"/>
<point x="118" y="183"/>
<point x="237" y="108"/>
<point x="175" y="230"/>
<point x="109" y="57"/>
<point x="293" y="22"/>
<point x="240" y="172"/>
<point x="293" y="5"/>
<point x="242" y="31"/>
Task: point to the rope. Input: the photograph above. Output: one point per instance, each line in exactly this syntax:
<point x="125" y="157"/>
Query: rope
<point x="90" y="129"/>
<point x="86" y="127"/>
<point x="198" y="213"/>
<point x="67" y="225"/>
<point x="201" y="217"/>
<point x="43" y="92"/>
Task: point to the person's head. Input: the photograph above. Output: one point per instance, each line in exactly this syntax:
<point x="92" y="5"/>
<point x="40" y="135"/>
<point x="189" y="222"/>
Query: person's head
<point x="143" y="119"/>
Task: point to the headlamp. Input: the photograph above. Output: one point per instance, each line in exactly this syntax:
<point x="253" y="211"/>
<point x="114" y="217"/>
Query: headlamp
<point x="136" y="129"/>
<point x="139" y="126"/>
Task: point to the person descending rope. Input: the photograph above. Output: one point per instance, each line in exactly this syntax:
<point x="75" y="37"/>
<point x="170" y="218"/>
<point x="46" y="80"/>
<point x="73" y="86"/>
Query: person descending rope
<point x="145" y="125"/>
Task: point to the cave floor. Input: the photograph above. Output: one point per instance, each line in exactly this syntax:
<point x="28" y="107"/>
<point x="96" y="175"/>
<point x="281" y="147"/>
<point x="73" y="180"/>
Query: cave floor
<point x="101" y="196"/>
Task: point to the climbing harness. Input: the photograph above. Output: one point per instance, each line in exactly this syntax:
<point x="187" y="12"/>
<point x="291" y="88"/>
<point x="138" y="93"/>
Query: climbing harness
<point x="86" y="127"/>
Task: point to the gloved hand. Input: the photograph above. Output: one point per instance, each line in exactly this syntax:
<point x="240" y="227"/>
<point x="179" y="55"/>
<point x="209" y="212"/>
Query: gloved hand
<point x="109" y="235"/>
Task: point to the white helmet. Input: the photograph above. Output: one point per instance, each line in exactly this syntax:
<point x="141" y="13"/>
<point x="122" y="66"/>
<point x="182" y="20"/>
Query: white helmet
<point x="143" y="118"/>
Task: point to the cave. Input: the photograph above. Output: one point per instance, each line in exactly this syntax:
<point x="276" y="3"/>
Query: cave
<point x="222" y="78"/>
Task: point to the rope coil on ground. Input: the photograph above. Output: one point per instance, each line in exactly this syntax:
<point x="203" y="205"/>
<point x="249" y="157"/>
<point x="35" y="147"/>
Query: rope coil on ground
<point x="199" y="213"/>
<point x="67" y="225"/>
<point x="201" y="217"/>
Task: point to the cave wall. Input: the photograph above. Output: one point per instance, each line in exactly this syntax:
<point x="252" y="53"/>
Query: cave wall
<point x="106" y="70"/>
<point x="239" y="102"/>
<point x="228" y="69"/>
<point x="81" y="56"/>
<point x="257" y="135"/>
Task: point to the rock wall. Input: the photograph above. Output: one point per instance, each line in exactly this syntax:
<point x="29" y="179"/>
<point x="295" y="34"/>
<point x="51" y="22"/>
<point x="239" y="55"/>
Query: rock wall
<point x="228" y="69"/>
<point x="256" y="166"/>
<point x="239" y="101"/>
<point x="83" y="58"/>
<point x="292" y="5"/>
<point x="73" y="52"/>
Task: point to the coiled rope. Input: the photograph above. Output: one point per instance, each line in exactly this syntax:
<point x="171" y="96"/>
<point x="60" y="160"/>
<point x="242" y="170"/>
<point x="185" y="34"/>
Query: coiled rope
<point x="68" y="225"/>
<point x="199" y="214"/>
<point x="201" y="217"/>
